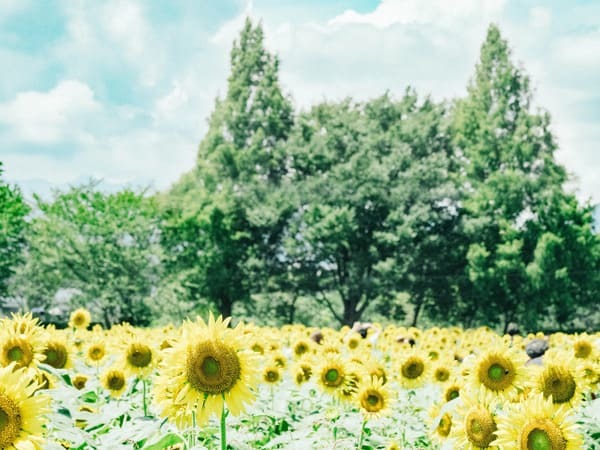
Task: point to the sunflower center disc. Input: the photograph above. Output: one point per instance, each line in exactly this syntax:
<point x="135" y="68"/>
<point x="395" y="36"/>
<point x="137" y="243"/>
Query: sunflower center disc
<point x="10" y="421"/>
<point x="539" y="440"/>
<point x="116" y="382"/>
<point x="480" y="427"/>
<point x="15" y="354"/>
<point x="332" y="375"/>
<point x="413" y="370"/>
<point x="3" y="420"/>
<point x="496" y="372"/>
<point x="451" y="395"/>
<point x="210" y="366"/>
<point x="51" y="357"/>
<point x="140" y="357"/>
<point x="213" y="367"/>
<point x="445" y="425"/>
<point x="372" y="400"/>
<point x="561" y="385"/>
<point x="272" y="376"/>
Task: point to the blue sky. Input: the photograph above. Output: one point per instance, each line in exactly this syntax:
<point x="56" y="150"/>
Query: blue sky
<point x="121" y="89"/>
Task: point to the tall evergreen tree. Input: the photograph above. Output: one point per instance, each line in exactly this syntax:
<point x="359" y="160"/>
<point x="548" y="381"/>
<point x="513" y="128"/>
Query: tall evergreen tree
<point x="221" y="225"/>
<point x="510" y="174"/>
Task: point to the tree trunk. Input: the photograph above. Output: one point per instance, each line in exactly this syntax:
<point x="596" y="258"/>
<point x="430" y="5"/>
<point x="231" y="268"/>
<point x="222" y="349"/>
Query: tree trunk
<point x="417" y="311"/>
<point x="351" y="314"/>
<point x="225" y="307"/>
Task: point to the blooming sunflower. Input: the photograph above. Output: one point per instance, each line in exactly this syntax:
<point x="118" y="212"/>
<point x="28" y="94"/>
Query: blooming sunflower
<point x="272" y="374"/>
<point x="374" y="399"/>
<point x="80" y="319"/>
<point x="139" y="356"/>
<point x="59" y="351"/>
<point x="302" y="346"/>
<point x="499" y="370"/>
<point x="21" y="412"/>
<point x="95" y="353"/>
<point x="21" y="342"/>
<point x="302" y="371"/>
<point x="79" y="381"/>
<point x="208" y="368"/>
<point x="583" y="347"/>
<point x="538" y="424"/>
<point x="114" y="381"/>
<point x="476" y="425"/>
<point x="414" y="369"/>
<point x="441" y="423"/>
<point x="332" y="375"/>
<point x="559" y="378"/>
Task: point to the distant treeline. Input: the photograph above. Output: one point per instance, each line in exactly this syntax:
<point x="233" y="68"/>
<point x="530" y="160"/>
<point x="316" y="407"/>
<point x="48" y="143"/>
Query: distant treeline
<point x="397" y="208"/>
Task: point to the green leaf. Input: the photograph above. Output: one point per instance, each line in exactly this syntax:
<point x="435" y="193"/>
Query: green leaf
<point x="164" y="442"/>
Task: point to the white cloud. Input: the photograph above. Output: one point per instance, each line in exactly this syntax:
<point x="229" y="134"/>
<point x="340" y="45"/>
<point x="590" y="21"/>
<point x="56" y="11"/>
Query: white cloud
<point x="441" y="12"/>
<point x="540" y="17"/>
<point x="48" y="117"/>
<point x="141" y="157"/>
<point x="180" y="66"/>
<point x="579" y="52"/>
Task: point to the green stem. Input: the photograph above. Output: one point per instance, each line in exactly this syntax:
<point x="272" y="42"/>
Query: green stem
<point x="192" y="436"/>
<point x="223" y="428"/>
<point x="144" y="396"/>
<point x="362" y="434"/>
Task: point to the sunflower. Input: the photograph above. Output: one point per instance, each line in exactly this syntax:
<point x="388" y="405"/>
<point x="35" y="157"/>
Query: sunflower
<point x="21" y="342"/>
<point x="114" y="381"/>
<point x="353" y="341"/>
<point x="560" y="379"/>
<point x="414" y="369"/>
<point x="332" y="375"/>
<point x="476" y="425"/>
<point x="21" y="412"/>
<point x="21" y="324"/>
<point x="500" y="371"/>
<point x="583" y="347"/>
<point x="95" y="353"/>
<point x="302" y="347"/>
<point x="538" y="424"/>
<point x="374" y="399"/>
<point x="205" y="370"/>
<point x="302" y="371"/>
<point x="80" y="319"/>
<point x="139" y="356"/>
<point x="441" y="424"/>
<point x="442" y="370"/>
<point x="79" y="381"/>
<point x="59" y="351"/>
<point x="452" y="391"/>
<point x="272" y="374"/>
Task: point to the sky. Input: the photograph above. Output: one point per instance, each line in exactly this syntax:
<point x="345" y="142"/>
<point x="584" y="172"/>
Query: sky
<point x="121" y="90"/>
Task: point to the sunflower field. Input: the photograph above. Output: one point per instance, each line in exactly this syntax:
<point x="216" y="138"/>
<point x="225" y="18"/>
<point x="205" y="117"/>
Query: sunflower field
<point x="205" y="385"/>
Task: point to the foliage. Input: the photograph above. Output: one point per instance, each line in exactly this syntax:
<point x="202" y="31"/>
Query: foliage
<point x="383" y="167"/>
<point x="13" y="226"/>
<point x="103" y="249"/>
<point x="220" y="223"/>
<point x="516" y="212"/>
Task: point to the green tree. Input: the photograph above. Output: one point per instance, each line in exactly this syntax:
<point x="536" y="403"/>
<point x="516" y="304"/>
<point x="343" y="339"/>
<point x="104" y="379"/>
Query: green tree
<point x="223" y="219"/>
<point x="372" y="182"/>
<point x="509" y="178"/>
<point x="102" y="247"/>
<point x="13" y="211"/>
